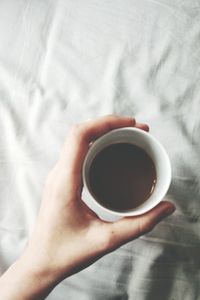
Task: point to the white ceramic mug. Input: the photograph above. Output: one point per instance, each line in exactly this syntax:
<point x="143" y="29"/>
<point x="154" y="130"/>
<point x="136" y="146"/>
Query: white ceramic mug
<point x="152" y="147"/>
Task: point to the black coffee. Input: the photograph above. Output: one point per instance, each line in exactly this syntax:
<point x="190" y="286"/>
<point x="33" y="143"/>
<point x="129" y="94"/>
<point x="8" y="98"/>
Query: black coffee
<point x="122" y="176"/>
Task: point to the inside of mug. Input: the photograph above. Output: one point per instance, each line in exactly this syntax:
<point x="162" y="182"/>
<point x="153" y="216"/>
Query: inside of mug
<point x="151" y="146"/>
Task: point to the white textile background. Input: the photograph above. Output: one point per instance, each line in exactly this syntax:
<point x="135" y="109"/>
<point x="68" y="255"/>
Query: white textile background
<point x="62" y="62"/>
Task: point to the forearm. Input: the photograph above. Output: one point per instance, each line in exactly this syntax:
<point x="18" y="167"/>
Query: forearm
<point x="23" y="282"/>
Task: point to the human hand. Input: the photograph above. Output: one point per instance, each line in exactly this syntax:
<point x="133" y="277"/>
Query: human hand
<point x="68" y="236"/>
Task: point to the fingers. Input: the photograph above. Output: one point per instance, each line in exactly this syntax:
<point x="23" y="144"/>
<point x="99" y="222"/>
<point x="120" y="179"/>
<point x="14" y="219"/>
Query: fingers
<point x="92" y="129"/>
<point x="130" y="228"/>
<point x="81" y="135"/>
<point x="141" y="126"/>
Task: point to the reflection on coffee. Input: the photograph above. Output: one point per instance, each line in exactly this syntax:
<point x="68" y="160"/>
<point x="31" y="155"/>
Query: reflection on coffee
<point x="122" y="176"/>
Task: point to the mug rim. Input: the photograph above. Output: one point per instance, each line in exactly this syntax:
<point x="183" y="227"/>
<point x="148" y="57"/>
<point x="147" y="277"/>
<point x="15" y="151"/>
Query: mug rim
<point x="138" y="210"/>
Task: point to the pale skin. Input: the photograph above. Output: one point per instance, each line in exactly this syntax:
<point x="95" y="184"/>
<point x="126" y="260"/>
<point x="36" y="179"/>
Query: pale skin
<point x="68" y="236"/>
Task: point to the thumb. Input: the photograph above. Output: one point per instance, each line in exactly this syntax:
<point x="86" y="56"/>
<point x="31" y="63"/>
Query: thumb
<point x="130" y="228"/>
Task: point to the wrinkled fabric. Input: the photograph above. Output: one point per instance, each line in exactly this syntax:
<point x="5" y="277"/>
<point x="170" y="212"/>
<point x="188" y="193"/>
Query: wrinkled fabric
<point x="62" y="62"/>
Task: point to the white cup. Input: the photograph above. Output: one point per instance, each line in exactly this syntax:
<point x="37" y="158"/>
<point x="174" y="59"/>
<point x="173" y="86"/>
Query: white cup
<point x="152" y="147"/>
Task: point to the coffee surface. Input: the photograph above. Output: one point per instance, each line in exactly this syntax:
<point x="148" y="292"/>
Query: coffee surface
<point x="122" y="176"/>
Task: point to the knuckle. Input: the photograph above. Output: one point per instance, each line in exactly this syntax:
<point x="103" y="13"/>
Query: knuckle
<point x="74" y="130"/>
<point x="112" y="116"/>
<point x="77" y="131"/>
<point x="49" y="179"/>
<point x="52" y="175"/>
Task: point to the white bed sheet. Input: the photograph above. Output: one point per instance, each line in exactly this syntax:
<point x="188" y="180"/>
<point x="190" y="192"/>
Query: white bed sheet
<point x="62" y="62"/>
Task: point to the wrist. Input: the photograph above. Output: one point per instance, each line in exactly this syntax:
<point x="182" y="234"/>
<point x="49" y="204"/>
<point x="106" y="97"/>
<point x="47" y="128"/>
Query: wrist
<point x="40" y="276"/>
<point x="29" y="281"/>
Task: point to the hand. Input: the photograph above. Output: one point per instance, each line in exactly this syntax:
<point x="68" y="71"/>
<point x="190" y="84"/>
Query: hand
<point x="68" y="236"/>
